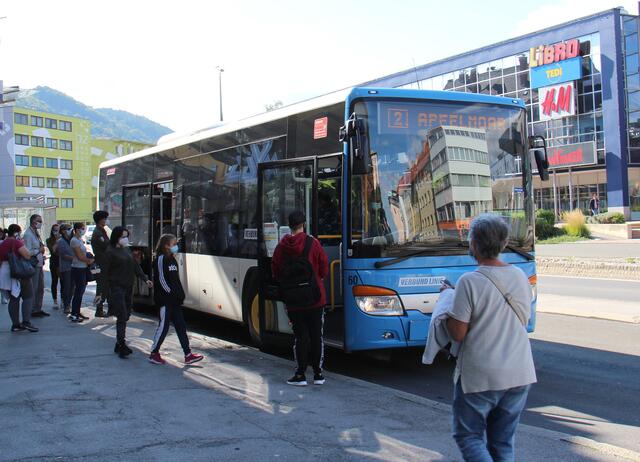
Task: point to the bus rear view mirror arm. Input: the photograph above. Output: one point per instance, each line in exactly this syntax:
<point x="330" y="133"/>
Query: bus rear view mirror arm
<point x="354" y="133"/>
<point x="538" y="145"/>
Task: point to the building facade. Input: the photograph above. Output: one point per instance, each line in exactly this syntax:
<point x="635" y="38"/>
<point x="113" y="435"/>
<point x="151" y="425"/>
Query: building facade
<point x="52" y="159"/>
<point x="581" y="86"/>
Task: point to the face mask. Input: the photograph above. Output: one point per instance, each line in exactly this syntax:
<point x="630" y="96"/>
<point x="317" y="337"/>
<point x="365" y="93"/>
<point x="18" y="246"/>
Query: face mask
<point x="174" y="249"/>
<point x="124" y="241"/>
<point x="68" y="232"/>
<point x="38" y="225"/>
<point x="82" y="232"/>
<point x="18" y="236"/>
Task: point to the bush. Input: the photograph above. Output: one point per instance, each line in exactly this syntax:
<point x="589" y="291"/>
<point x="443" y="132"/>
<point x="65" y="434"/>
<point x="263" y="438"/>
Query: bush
<point x="546" y="215"/>
<point x="545" y="221"/>
<point x="575" y="224"/>
<point x="607" y="218"/>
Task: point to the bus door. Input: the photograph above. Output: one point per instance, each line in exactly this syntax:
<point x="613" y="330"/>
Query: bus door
<point x="329" y="233"/>
<point x="283" y="187"/>
<point x="164" y="219"/>
<point x="136" y="217"/>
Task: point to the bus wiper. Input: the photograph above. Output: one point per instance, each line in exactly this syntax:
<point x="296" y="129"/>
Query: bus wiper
<point x="381" y="264"/>
<point x="520" y="252"/>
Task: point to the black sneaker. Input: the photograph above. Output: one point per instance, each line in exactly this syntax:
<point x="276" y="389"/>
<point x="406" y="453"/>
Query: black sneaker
<point x="30" y="327"/>
<point x="82" y="316"/>
<point x="37" y="314"/>
<point x="318" y="379"/>
<point x="18" y="328"/>
<point x="298" y="380"/>
<point x="74" y="318"/>
<point x="44" y="314"/>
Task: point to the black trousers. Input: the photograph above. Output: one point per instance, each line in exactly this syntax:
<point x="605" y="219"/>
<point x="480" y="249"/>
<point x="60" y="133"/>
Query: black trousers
<point x="120" y="301"/>
<point x="308" y="344"/>
<point x="55" y="278"/>
<point x="171" y="314"/>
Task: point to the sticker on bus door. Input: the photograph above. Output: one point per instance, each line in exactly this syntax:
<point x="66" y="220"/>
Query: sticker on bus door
<point x="270" y="237"/>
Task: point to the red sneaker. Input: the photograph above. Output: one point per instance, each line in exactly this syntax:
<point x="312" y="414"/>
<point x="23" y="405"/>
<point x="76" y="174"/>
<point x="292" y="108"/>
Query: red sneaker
<point x="155" y="358"/>
<point x="193" y="358"/>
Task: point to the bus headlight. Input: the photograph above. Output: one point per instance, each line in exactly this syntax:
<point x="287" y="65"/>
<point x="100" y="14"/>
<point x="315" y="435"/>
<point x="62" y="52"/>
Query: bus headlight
<point x="533" y="281"/>
<point x="378" y="301"/>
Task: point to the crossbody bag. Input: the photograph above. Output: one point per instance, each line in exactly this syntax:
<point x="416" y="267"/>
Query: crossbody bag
<point x="507" y="296"/>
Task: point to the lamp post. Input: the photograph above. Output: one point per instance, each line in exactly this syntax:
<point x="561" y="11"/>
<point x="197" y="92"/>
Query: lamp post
<point x="220" y="71"/>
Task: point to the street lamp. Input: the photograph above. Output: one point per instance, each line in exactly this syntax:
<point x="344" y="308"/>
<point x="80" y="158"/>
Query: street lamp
<point x="220" y="71"/>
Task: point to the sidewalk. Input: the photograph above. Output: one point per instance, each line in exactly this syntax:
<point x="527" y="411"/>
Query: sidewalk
<point x="586" y="307"/>
<point x="64" y="395"/>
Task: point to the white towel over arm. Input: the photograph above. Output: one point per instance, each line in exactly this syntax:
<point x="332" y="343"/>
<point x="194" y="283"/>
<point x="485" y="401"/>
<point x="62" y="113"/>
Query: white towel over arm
<point x="438" y="336"/>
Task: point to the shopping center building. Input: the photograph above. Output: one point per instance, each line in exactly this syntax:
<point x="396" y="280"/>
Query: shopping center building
<point x="581" y="85"/>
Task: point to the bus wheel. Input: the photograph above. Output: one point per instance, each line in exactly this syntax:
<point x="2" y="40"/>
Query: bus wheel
<point x="251" y="308"/>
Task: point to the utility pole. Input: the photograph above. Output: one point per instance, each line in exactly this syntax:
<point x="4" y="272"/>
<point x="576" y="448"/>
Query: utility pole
<point x="220" y="71"/>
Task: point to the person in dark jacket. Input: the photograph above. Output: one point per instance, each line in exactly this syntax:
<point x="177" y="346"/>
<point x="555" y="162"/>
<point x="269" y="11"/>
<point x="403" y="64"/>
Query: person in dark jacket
<point x="54" y="262"/>
<point x="169" y="296"/>
<point x="65" y="258"/>
<point x="100" y="244"/>
<point x="120" y="272"/>
<point x="307" y="321"/>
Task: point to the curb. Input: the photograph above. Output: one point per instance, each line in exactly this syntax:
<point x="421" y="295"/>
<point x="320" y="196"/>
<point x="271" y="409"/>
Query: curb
<point x="586" y="267"/>
<point x="442" y="408"/>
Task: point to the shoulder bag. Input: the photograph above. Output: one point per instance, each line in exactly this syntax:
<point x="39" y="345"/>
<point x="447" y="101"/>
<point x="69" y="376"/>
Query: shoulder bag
<point x="507" y="296"/>
<point x="19" y="267"/>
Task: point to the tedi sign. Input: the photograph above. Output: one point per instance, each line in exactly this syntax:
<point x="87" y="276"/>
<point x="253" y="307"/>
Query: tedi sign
<point x="541" y="55"/>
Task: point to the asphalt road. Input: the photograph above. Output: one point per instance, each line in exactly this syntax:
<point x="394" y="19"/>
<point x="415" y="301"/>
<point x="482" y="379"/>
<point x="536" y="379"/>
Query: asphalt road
<point x="592" y="249"/>
<point x="608" y="289"/>
<point x="588" y="369"/>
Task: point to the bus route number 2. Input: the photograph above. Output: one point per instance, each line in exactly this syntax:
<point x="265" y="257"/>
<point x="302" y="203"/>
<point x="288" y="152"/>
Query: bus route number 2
<point x="397" y="118"/>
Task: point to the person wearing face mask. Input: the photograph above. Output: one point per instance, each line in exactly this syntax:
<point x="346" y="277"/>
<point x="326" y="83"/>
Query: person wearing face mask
<point x="54" y="262"/>
<point x="79" y="267"/>
<point x="16" y="289"/>
<point x="65" y="258"/>
<point x="169" y="296"/>
<point x="100" y="244"/>
<point x="121" y="270"/>
<point x="35" y="246"/>
<point x="3" y="295"/>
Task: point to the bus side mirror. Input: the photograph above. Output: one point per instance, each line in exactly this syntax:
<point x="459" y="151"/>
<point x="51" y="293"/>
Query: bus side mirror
<point x="354" y="133"/>
<point x="538" y="145"/>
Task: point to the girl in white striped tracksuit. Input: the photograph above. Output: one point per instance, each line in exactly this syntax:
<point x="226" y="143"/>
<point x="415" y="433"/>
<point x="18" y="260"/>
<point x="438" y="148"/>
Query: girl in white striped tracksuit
<point x="169" y="296"/>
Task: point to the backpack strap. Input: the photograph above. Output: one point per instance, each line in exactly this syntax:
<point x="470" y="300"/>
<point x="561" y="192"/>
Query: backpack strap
<point x="507" y="296"/>
<point x="307" y="247"/>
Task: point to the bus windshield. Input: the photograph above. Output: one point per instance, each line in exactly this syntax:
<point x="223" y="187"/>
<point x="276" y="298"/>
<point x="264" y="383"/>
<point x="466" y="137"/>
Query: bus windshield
<point x="434" y="167"/>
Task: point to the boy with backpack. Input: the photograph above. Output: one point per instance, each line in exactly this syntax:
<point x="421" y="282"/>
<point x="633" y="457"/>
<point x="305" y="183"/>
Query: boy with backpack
<point x="300" y="264"/>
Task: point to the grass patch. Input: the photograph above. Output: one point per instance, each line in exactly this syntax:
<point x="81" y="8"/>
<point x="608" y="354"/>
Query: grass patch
<point x="562" y="239"/>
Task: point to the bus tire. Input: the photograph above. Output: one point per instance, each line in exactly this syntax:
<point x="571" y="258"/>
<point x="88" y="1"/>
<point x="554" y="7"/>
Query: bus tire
<point x="251" y="307"/>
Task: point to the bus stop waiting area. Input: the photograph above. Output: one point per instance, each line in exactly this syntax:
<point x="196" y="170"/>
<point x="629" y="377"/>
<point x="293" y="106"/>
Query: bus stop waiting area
<point x="65" y="396"/>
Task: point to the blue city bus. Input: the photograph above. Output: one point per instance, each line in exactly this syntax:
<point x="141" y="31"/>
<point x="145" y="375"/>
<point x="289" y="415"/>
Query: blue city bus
<point x="389" y="180"/>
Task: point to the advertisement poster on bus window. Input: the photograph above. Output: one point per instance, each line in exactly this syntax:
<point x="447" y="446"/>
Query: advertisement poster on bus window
<point x="270" y="231"/>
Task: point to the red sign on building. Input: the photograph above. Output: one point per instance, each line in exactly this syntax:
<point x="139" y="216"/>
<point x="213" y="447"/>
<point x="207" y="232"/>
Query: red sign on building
<point x="557" y="101"/>
<point x="320" y="128"/>
<point x="572" y="155"/>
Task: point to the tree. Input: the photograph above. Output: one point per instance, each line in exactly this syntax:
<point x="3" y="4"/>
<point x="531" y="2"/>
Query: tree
<point x="277" y="104"/>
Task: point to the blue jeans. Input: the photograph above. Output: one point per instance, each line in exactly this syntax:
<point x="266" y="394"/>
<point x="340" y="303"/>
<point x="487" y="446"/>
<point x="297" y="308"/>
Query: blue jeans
<point x="79" y="278"/>
<point x="484" y="424"/>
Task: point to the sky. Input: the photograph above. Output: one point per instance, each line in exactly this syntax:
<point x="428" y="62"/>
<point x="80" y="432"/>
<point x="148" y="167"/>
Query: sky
<point x="158" y="58"/>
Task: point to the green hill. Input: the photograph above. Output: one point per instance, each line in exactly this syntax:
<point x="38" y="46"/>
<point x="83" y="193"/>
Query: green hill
<point x="105" y="122"/>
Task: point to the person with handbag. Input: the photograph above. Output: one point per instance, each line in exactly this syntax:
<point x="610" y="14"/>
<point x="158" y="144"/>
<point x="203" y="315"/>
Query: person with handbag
<point x="16" y="271"/>
<point x="494" y="368"/>
<point x="65" y="258"/>
<point x="120" y="272"/>
<point x="35" y="246"/>
<point x="299" y="264"/>
<point x="79" y="267"/>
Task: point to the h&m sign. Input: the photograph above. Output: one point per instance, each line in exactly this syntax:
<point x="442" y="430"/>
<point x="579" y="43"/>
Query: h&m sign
<point x="557" y="101"/>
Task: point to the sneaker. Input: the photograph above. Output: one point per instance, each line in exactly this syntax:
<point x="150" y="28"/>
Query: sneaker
<point x="297" y="380"/>
<point x="37" y="314"/>
<point x="193" y="358"/>
<point x="81" y="316"/>
<point x="18" y="328"/>
<point x="97" y="300"/>
<point x="30" y="327"/>
<point x="74" y="318"/>
<point x="318" y="379"/>
<point x="67" y="310"/>
<point x="155" y="358"/>
<point x="55" y="305"/>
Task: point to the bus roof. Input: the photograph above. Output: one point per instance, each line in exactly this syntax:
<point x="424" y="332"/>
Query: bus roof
<point x="309" y="105"/>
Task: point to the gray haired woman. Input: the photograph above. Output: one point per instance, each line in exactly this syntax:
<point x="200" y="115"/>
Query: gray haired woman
<point x="495" y="367"/>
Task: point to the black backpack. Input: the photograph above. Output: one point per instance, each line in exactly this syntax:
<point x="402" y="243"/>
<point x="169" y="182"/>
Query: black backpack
<point x="298" y="284"/>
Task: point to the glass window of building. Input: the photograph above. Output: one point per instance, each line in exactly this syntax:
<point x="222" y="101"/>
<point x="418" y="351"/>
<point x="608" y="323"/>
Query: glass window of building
<point x="66" y="145"/>
<point x="36" y="121"/>
<point x="66" y="203"/>
<point x="22" y="140"/>
<point x="37" y="182"/>
<point x="66" y="164"/>
<point x="21" y="119"/>
<point x="51" y="143"/>
<point x="37" y="141"/>
<point x="22" y="180"/>
<point x="37" y="161"/>
<point x="52" y="201"/>
<point x="52" y="183"/>
<point x="50" y="123"/>
<point x="64" y="125"/>
<point x="22" y="161"/>
<point x="52" y="163"/>
<point x="66" y="183"/>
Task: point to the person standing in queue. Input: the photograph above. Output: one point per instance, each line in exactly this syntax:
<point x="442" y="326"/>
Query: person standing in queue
<point x="100" y="244"/>
<point x="79" y="267"/>
<point x="35" y="246"/>
<point x="54" y="262"/>
<point x="169" y="296"/>
<point x="65" y="259"/>
<point x="494" y="369"/>
<point x="120" y="270"/>
<point x="300" y="264"/>
<point x="16" y="289"/>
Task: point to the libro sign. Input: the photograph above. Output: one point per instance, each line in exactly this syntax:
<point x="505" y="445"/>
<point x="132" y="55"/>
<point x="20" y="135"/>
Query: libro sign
<point x="542" y="55"/>
<point x="557" y="101"/>
<point x="554" y="64"/>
